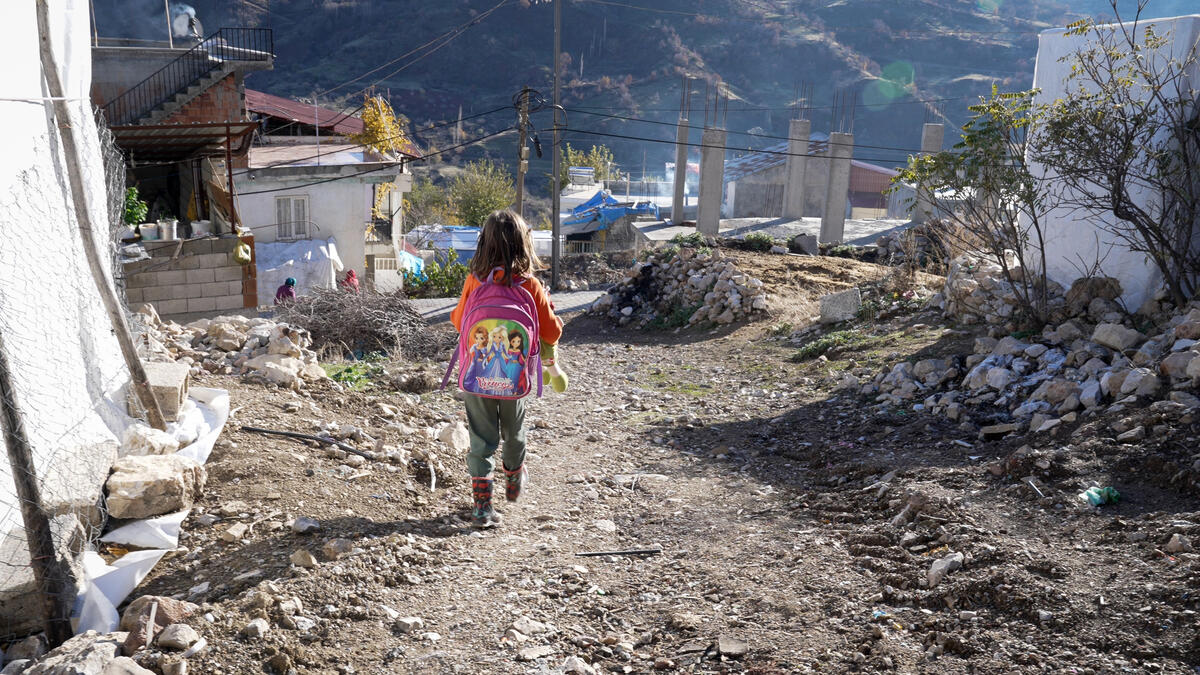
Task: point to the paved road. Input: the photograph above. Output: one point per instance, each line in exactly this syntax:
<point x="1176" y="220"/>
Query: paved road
<point x="437" y="310"/>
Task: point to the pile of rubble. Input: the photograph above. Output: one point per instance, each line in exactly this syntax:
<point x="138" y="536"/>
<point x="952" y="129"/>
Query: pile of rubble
<point x="708" y="288"/>
<point x="258" y="348"/>
<point x="976" y="291"/>
<point x="1070" y="369"/>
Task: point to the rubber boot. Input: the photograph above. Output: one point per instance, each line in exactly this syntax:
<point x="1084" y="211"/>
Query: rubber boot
<point x="514" y="482"/>
<point x="483" y="515"/>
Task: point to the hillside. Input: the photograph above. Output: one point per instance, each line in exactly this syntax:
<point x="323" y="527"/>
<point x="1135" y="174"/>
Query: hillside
<point x="904" y="62"/>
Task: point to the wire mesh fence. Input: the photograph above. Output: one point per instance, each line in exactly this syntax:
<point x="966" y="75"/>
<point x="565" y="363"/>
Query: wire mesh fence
<point x="63" y="396"/>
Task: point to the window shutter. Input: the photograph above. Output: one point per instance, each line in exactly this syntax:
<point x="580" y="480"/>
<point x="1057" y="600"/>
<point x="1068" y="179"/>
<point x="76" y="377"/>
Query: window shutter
<point x="300" y="209"/>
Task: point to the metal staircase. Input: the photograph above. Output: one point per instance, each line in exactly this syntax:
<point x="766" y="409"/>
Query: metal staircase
<point x="175" y="84"/>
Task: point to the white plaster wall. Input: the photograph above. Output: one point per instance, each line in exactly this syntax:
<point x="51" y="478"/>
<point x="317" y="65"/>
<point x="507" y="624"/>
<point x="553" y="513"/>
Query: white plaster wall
<point x="1071" y="235"/>
<point x="340" y="208"/>
<point x="67" y="367"/>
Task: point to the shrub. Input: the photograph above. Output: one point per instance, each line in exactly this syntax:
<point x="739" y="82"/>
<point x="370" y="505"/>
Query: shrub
<point x="440" y="280"/>
<point x="835" y="341"/>
<point x="758" y="241"/>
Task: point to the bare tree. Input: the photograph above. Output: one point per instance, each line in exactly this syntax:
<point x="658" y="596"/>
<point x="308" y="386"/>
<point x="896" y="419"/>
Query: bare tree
<point x="1000" y="206"/>
<point x="1125" y="139"/>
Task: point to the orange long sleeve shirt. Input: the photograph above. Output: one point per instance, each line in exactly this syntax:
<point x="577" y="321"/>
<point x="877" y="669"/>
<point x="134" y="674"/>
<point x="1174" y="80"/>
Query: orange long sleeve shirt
<point x="549" y="325"/>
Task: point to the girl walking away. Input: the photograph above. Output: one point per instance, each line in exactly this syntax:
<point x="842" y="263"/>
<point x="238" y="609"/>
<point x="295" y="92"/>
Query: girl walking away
<point x="502" y="297"/>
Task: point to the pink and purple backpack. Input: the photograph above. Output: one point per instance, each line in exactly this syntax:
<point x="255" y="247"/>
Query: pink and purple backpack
<point x="498" y="346"/>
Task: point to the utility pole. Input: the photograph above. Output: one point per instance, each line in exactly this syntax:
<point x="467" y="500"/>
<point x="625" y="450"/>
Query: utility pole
<point x="522" y="151"/>
<point x="170" y="28"/>
<point x="555" y="204"/>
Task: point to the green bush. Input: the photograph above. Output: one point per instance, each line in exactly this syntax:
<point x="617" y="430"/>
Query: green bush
<point x="135" y="209"/>
<point x="440" y="281"/>
<point x="677" y="316"/>
<point x="758" y="241"/>
<point x="837" y="340"/>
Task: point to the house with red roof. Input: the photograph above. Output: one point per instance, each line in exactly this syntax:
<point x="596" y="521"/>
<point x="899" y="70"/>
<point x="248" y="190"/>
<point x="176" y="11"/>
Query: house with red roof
<point x="307" y="181"/>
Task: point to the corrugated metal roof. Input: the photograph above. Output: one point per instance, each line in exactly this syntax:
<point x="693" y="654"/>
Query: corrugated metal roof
<point x="330" y="121"/>
<point x="295" y="111"/>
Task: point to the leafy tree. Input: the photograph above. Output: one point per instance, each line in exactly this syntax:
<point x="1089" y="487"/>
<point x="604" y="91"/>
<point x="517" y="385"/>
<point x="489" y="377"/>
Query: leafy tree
<point x="1003" y="210"/>
<point x="427" y="204"/>
<point x="483" y="187"/>
<point x="600" y="158"/>
<point x="385" y="133"/>
<point x="1126" y="140"/>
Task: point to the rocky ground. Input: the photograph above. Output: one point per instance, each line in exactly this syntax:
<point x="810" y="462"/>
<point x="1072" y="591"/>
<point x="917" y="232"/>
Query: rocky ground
<point x="799" y="525"/>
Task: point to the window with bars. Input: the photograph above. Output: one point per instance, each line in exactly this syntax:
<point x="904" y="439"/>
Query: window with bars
<point x="291" y="217"/>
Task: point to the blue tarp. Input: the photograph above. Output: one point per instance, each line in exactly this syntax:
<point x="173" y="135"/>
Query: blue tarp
<point x="603" y="210"/>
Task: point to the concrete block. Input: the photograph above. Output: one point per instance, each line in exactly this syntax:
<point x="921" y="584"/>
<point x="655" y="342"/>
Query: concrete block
<point x="157" y="293"/>
<point x="805" y="243"/>
<point x="167" y="307"/>
<point x="200" y="276"/>
<point x="210" y="260"/>
<point x="198" y="246"/>
<point x="189" y="291"/>
<point x="224" y="244"/>
<point x="235" y="287"/>
<point x="201" y="304"/>
<point x="136" y="267"/>
<point x="841" y="306"/>
<point x="169" y="382"/>
<point x="228" y="273"/>
<point x="133" y="296"/>
<point x="159" y="249"/>
<point x="187" y="262"/>
<point x="214" y="289"/>
<point x="229" y="302"/>
<point x="169" y="277"/>
<point x="139" y="280"/>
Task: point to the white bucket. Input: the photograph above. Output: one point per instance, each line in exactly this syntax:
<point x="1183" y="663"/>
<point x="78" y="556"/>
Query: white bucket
<point x="201" y="228"/>
<point x="149" y="231"/>
<point x="167" y="228"/>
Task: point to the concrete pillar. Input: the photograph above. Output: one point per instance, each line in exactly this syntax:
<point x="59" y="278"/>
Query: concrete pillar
<point x="932" y="136"/>
<point x="681" y="155"/>
<point x="797" y="161"/>
<point x="833" y="221"/>
<point x="712" y="181"/>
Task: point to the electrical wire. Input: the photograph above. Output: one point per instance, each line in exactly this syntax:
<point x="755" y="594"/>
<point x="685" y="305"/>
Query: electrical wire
<point x="783" y="153"/>
<point x="362" y="173"/>
<point x="747" y="133"/>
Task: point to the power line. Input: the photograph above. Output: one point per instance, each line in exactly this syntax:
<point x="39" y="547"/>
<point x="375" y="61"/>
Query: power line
<point x="746" y="133"/>
<point x="747" y="109"/>
<point x="783" y="153"/>
<point x="362" y="173"/>
<point x="284" y="162"/>
<point x="446" y="38"/>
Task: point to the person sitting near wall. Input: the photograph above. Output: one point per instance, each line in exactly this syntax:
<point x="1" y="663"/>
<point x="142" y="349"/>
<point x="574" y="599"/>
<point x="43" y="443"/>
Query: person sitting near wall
<point x="286" y="292"/>
<point x="350" y="282"/>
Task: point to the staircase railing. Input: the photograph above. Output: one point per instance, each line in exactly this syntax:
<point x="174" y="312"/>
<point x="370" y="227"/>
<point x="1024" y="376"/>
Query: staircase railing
<point x="227" y="44"/>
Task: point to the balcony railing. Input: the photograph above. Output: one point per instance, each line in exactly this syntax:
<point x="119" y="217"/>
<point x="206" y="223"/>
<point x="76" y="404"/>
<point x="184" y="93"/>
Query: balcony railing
<point x="378" y="231"/>
<point x="225" y="45"/>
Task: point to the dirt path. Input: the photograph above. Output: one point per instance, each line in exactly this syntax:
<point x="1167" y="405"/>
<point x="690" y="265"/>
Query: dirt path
<point x="797" y="527"/>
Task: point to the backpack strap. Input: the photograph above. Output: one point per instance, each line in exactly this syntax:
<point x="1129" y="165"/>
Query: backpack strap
<point x="450" y="369"/>
<point x="539" y="372"/>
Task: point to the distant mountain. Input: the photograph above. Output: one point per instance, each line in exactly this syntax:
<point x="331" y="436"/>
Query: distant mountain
<point x="1154" y="9"/>
<point x="902" y="62"/>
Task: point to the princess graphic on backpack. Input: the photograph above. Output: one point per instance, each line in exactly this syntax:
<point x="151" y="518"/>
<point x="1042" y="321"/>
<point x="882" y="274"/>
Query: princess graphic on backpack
<point x="476" y="359"/>
<point x="514" y="361"/>
<point x="496" y="360"/>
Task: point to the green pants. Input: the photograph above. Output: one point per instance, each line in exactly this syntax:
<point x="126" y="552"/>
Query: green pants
<point x="487" y="420"/>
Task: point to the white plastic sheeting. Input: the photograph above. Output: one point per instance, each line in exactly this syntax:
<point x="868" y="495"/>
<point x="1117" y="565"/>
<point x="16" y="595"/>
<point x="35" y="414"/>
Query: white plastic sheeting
<point x="313" y="263"/>
<point x="106" y="586"/>
<point x="1074" y="241"/>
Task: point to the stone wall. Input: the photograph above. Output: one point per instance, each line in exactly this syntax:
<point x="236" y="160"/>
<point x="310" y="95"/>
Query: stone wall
<point x="197" y="275"/>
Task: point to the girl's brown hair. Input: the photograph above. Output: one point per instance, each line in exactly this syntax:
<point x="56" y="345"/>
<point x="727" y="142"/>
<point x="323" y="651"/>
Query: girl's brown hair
<point x="505" y="242"/>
